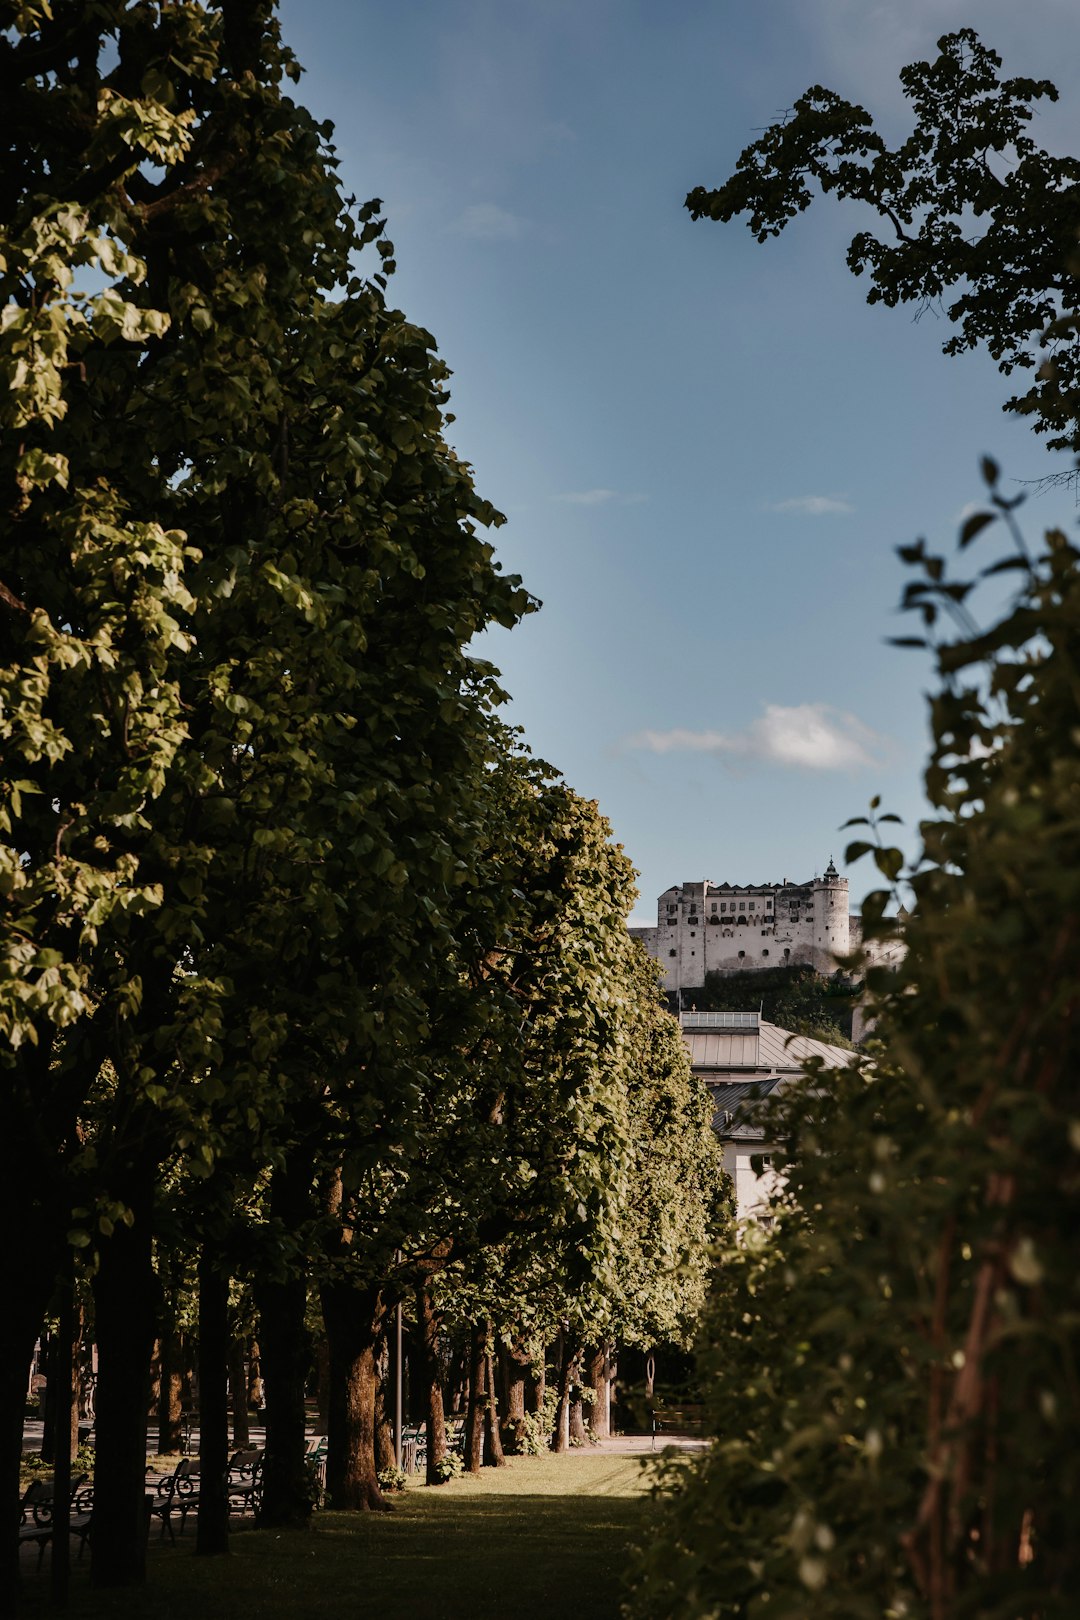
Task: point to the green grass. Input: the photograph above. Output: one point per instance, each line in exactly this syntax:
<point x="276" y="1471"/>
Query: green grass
<point x="546" y="1538"/>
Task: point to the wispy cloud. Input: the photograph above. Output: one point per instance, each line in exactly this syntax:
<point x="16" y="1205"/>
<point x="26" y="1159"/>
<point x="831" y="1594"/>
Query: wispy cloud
<point x="813" y="505"/>
<point x="807" y="736"/>
<point x="599" y="497"/>
<point x="486" y="222"/>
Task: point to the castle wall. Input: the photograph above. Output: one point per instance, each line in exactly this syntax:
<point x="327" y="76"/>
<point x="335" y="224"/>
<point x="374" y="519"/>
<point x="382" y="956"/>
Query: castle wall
<point x="705" y="927"/>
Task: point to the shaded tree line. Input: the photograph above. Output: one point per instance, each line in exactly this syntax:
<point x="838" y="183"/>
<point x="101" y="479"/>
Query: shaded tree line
<point x="310" y="976"/>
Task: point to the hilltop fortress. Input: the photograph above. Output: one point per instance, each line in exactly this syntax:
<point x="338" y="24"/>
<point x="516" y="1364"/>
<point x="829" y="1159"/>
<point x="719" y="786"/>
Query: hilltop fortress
<point x="730" y="927"/>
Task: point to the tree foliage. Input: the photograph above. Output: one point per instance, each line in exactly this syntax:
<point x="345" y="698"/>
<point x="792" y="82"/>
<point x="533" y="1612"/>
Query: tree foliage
<point x="978" y="213"/>
<point x="305" y="965"/>
<point x="797" y="998"/>
<point x="891" y="1375"/>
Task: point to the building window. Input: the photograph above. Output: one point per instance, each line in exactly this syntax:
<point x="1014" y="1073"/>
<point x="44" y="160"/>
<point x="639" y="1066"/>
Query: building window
<point x="693" y="935"/>
<point x="751" y="905"/>
<point x="673" y="953"/>
<point x="786" y="953"/>
<point x="764" y="953"/>
<point x="742" y="953"/>
<point x="714" y="905"/>
<point x="723" y="905"/>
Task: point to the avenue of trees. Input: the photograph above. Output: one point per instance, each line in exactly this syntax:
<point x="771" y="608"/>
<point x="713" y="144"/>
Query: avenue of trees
<point x="315" y="988"/>
<point x="891" y="1370"/>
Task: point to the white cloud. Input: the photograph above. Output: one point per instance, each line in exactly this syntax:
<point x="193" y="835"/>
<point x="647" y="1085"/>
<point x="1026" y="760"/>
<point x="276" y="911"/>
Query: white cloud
<point x="599" y="497"/>
<point x="485" y="222"/>
<point x="814" y="505"/>
<point x="808" y="736"/>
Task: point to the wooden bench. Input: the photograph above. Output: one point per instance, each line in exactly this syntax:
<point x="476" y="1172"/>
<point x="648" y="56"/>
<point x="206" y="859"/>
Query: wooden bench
<point x="688" y="1419"/>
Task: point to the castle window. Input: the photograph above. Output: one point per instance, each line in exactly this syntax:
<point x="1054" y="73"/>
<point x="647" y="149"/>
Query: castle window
<point x="741" y="954"/>
<point x="692" y="936"/>
<point x="673" y="953"/>
<point x="786" y="953"/>
<point x="765" y="953"/>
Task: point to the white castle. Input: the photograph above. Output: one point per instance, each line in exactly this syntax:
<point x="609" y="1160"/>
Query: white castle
<point x="728" y="927"/>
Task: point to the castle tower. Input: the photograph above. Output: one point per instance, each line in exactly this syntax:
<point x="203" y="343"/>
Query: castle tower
<point x="831" y="931"/>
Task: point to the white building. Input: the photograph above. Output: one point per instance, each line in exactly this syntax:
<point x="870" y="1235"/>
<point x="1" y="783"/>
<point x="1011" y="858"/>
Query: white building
<point x="711" y="927"/>
<point x="744" y="1060"/>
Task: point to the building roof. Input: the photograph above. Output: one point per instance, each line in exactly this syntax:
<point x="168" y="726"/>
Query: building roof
<point x="743" y="1059"/>
<point x="734" y="1104"/>
<point x="752" y="1043"/>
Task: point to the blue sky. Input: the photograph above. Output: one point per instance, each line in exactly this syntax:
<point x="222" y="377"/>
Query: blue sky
<point x="706" y="450"/>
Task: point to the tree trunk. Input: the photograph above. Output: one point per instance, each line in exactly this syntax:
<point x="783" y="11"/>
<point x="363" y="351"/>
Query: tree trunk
<point x="50" y="1349"/>
<point x="494" y="1455"/>
<point x="353" y="1319"/>
<point x="515" y="1366"/>
<point x="427" y="1350"/>
<point x="213" y="1513"/>
<point x="322" y="1380"/>
<point x="170" y="1388"/>
<point x="536" y="1387"/>
<point x="285" y="1346"/>
<point x="598" y="1377"/>
<point x="238" y="1392"/>
<point x="283" y="1336"/>
<point x="474" y="1422"/>
<point x="385" y="1450"/>
<point x="457" y="1385"/>
<point x="125" y="1300"/>
<point x="256" y="1395"/>
<point x="568" y="1371"/>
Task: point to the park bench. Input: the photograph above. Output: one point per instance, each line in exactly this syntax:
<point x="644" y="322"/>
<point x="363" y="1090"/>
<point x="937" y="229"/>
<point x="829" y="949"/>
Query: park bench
<point x="413" y="1459"/>
<point x="244" y="1480"/>
<point x="177" y="1492"/>
<point x="687" y="1419"/>
<point x="36" y="1513"/>
<point x="315" y="1456"/>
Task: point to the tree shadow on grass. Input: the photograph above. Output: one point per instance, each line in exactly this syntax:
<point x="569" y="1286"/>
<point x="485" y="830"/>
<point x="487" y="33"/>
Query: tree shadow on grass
<point x="504" y="1556"/>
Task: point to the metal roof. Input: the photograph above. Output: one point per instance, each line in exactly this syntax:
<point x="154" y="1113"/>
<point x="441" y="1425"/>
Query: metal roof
<point x="754" y="1045"/>
<point x="743" y="1059"/>
<point x="734" y="1103"/>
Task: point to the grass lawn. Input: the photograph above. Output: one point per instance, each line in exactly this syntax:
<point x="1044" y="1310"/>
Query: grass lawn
<point x="545" y="1538"/>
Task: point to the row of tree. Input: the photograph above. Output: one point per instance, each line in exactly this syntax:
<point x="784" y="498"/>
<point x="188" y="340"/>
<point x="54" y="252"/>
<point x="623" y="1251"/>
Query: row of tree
<point x="891" y="1373"/>
<point x="307" y="967"/>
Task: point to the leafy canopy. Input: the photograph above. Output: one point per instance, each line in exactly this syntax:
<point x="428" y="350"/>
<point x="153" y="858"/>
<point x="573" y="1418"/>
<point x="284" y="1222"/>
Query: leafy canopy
<point x="976" y="211"/>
